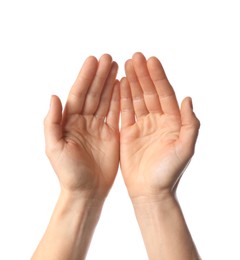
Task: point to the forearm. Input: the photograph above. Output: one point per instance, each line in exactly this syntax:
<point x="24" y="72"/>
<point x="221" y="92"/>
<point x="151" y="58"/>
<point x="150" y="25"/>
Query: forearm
<point x="70" y="229"/>
<point x="164" y="229"/>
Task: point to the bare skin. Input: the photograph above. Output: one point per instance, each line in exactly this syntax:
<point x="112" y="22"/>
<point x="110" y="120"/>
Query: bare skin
<point x="154" y="146"/>
<point x="157" y="143"/>
<point x="82" y="144"/>
<point x="80" y="141"/>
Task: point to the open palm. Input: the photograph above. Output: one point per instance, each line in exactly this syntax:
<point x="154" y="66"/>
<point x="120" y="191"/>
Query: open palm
<point x="82" y="143"/>
<point x="157" y="138"/>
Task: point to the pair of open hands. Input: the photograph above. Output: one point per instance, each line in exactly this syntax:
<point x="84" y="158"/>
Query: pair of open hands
<point x="155" y="142"/>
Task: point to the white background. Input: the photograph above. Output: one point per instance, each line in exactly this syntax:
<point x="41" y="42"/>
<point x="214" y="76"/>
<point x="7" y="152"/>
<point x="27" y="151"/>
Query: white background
<point x="42" y="47"/>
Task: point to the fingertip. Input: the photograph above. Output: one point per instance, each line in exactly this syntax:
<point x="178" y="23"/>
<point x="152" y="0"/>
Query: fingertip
<point x="53" y="97"/>
<point x="91" y="59"/>
<point x="55" y="111"/>
<point x="116" y="83"/>
<point x="106" y="57"/>
<point x="128" y="64"/>
<point x="190" y="128"/>
<point x="139" y="60"/>
<point x="52" y="124"/>
<point x="185" y="107"/>
<point x="154" y="61"/>
<point x="152" y="58"/>
<point x="188" y="116"/>
<point x="90" y="64"/>
<point x="115" y="66"/>
<point x="124" y="87"/>
<point x="190" y="103"/>
<point x="138" y="56"/>
<point x="116" y="90"/>
<point x="115" y="63"/>
<point x="51" y="105"/>
<point x="123" y="80"/>
<point x="55" y="101"/>
<point x="156" y="68"/>
<point x="187" y="104"/>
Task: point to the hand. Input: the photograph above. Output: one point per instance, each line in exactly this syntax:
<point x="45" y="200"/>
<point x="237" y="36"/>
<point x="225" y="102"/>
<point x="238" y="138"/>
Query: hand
<point x="82" y="143"/>
<point x="157" y="138"/>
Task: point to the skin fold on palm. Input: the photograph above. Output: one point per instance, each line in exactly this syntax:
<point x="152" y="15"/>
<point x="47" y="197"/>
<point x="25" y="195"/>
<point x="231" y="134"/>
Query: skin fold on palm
<point x="81" y="139"/>
<point x="84" y="145"/>
<point x="157" y="137"/>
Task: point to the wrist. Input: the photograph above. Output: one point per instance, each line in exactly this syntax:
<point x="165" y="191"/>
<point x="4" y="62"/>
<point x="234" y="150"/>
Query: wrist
<point x="71" y="227"/>
<point x="163" y="227"/>
<point x="81" y="199"/>
<point x="92" y="194"/>
<point x="161" y="197"/>
<point x="163" y="202"/>
<point x="155" y="189"/>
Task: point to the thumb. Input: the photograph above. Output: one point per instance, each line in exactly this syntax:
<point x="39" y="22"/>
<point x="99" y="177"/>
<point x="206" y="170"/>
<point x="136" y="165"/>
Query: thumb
<point x="189" y="129"/>
<point x="52" y="123"/>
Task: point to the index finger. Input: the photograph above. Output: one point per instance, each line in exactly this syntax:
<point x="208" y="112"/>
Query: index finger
<point x="164" y="89"/>
<point x="77" y="94"/>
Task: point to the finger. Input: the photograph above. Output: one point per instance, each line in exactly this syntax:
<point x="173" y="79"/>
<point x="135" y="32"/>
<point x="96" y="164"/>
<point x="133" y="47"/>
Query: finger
<point x="106" y="96"/>
<point x="165" y="91"/>
<point x="127" y="110"/>
<point x="114" y="109"/>
<point x="52" y="123"/>
<point x="150" y="94"/>
<point x="189" y="130"/>
<point x="95" y="90"/>
<point x="77" y="94"/>
<point x="136" y="90"/>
